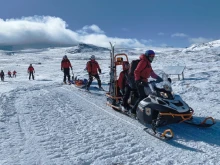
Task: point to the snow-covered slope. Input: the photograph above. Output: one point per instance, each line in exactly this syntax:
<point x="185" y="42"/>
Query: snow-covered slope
<point x="45" y="122"/>
<point x="84" y="48"/>
<point x="204" y="46"/>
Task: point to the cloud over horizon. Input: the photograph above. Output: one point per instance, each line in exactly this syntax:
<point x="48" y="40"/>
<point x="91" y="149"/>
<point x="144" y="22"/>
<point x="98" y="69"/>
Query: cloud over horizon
<point x="179" y="35"/>
<point x="54" y="30"/>
<point x="199" y="40"/>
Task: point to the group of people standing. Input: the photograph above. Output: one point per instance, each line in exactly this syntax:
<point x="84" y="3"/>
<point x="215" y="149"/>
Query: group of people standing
<point x="141" y="74"/>
<point x="2" y="74"/>
<point x="30" y="71"/>
<point x="92" y="68"/>
<point x="10" y="73"/>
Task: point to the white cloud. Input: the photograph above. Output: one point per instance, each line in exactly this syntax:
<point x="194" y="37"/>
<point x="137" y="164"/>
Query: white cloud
<point x="125" y="29"/>
<point x="103" y="40"/>
<point x="32" y="30"/>
<point x="146" y="41"/>
<point x="53" y="30"/>
<point x="90" y="29"/>
<point x="179" y="35"/>
<point x="160" y="34"/>
<point x="199" y="40"/>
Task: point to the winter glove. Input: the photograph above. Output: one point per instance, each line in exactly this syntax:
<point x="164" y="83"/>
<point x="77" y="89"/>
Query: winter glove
<point x="169" y="79"/>
<point x="159" y="79"/>
<point x="100" y="71"/>
<point x="138" y="83"/>
<point x="141" y="83"/>
<point x="71" y="68"/>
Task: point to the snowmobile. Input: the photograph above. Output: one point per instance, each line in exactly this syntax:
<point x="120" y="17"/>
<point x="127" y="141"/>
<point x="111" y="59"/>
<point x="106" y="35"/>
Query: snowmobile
<point x="161" y="107"/>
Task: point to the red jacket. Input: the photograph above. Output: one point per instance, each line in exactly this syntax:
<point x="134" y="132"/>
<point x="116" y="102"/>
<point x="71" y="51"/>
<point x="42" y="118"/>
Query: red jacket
<point x="30" y="69"/>
<point x="65" y="63"/>
<point x="92" y="67"/>
<point x="144" y="70"/>
<point x="122" y="80"/>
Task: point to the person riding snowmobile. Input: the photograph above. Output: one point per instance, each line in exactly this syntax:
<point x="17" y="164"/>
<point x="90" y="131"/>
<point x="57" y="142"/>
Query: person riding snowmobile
<point x="92" y="67"/>
<point x="65" y="67"/>
<point x="123" y="84"/>
<point x="141" y="74"/>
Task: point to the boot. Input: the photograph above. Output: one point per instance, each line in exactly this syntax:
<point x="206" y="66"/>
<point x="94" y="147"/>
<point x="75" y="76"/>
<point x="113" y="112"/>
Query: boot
<point x="87" y="88"/>
<point x="100" y="88"/>
<point x="123" y="109"/>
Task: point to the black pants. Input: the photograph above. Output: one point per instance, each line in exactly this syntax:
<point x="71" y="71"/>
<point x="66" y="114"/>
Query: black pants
<point x="141" y="94"/>
<point x="31" y="74"/>
<point x="91" y="79"/>
<point x="126" y="95"/>
<point x="66" y="72"/>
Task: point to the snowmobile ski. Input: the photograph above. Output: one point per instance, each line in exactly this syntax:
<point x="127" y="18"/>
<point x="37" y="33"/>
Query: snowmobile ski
<point x="165" y="135"/>
<point x="201" y="124"/>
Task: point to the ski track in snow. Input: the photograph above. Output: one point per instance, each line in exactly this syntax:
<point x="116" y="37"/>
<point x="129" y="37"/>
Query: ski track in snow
<point x="55" y="125"/>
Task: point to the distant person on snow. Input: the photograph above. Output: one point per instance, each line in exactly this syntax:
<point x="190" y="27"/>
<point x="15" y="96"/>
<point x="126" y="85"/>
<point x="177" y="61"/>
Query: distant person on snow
<point x="9" y="73"/>
<point x="141" y="74"/>
<point x="31" y="71"/>
<point x="14" y="73"/>
<point x="2" y="74"/>
<point x="65" y="67"/>
<point x="92" y="67"/>
<point x="123" y="84"/>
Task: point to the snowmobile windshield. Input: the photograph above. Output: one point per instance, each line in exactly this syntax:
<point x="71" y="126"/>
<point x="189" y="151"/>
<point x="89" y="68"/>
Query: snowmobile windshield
<point x="163" y="89"/>
<point x="165" y="84"/>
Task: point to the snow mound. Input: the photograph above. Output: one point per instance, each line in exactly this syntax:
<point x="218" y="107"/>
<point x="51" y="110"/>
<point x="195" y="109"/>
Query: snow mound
<point x="83" y="48"/>
<point x="209" y="45"/>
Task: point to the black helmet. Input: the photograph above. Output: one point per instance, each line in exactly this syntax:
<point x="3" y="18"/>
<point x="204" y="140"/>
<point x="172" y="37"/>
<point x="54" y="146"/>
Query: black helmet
<point x="150" y="55"/>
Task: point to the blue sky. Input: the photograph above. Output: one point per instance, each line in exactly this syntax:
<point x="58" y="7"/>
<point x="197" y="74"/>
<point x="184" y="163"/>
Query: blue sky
<point x="177" y="23"/>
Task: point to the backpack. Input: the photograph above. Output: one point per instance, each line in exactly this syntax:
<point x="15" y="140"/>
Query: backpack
<point x="131" y="80"/>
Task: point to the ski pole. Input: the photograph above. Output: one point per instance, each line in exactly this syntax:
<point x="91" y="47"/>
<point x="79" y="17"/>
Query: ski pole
<point x="72" y="76"/>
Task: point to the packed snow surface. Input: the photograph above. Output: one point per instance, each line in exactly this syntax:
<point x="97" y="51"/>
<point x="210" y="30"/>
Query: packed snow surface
<point x="44" y="122"/>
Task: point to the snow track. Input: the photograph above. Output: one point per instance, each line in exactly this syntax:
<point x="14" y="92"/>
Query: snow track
<point x="55" y="124"/>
